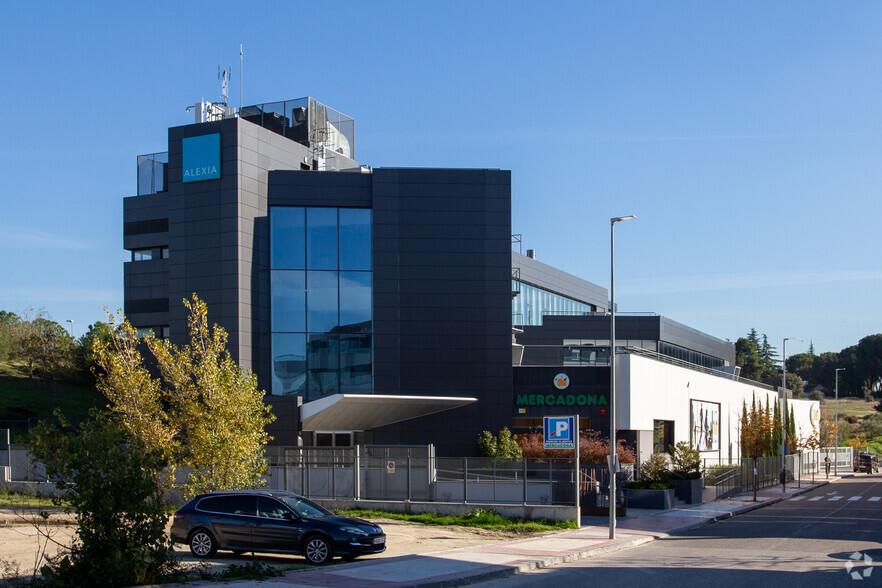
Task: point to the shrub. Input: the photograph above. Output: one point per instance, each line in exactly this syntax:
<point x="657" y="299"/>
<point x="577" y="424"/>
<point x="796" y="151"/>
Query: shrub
<point x="654" y="474"/>
<point x="501" y="446"/>
<point x="816" y="395"/>
<point x="112" y="483"/>
<point x="592" y="448"/>
<point x="685" y="461"/>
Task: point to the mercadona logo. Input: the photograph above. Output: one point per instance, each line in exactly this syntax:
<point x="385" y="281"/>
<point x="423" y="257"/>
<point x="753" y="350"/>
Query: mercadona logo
<point x="854" y="560"/>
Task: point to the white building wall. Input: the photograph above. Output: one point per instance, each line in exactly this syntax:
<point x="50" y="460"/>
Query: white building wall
<point x="651" y="390"/>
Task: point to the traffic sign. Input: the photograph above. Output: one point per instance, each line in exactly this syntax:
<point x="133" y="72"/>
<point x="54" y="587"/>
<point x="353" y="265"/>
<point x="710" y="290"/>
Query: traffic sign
<point x="559" y="432"/>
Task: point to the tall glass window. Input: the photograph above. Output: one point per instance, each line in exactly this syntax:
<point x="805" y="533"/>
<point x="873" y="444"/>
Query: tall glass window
<point x="532" y="303"/>
<point x="321" y="300"/>
<point x="321" y="238"/>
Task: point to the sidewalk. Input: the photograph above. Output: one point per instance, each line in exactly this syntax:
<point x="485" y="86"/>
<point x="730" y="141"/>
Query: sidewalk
<point x="498" y="560"/>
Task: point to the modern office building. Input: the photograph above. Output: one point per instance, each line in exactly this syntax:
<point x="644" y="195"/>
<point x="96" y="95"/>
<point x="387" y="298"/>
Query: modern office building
<point x="385" y="305"/>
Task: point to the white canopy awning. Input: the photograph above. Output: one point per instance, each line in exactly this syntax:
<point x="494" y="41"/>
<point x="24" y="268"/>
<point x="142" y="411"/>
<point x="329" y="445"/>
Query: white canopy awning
<point x="364" y="412"/>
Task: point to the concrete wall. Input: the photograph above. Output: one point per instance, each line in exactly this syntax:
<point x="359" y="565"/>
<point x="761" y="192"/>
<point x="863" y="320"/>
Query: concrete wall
<point x="551" y="513"/>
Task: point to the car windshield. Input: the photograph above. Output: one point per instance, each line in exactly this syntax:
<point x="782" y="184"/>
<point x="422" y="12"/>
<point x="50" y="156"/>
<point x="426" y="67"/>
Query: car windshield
<point x="305" y="508"/>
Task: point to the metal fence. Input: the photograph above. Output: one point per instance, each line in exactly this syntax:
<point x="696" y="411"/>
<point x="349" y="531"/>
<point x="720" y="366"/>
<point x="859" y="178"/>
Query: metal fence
<point x="414" y="473"/>
<point x="748" y="474"/>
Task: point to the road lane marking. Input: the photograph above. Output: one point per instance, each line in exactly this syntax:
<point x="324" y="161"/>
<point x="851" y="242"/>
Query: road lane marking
<point x="855" y="498"/>
<point x="835" y="498"/>
<point x="816" y="498"/>
<point x="795" y="498"/>
<point x="875" y="499"/>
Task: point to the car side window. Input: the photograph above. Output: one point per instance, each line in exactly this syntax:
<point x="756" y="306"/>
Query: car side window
<point x="241" y="505"/>
<point x="270" y="508"/>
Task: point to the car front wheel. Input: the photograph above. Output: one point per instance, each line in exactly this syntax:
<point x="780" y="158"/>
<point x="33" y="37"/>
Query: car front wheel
<point x="317" y="550"/>
<point x="202" y="544"/>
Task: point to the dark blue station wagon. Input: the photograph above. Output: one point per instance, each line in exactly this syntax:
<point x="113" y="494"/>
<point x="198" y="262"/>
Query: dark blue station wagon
<point x="272" y="521"/>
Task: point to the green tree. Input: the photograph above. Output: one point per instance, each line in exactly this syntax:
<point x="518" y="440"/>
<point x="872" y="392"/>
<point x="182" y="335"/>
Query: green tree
<point x="868" y="364"/>
<point x="747" y="357"/>
<point x="8" y="325"/>
<point x="756" y="358"/>
<point x="802" y="364"/>
<point x="795" y="384"/>
<point x="85" y="357"/>
<point x="502" y="446"/>
<point x="202" y="412"/>
<point x="41" y="343"/>
<point x="110" y="478"/>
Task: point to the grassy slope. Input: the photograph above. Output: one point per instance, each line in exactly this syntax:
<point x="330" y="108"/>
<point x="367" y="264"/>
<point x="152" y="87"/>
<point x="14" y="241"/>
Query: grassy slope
<point x="854" y="407"/>
<point x="857" y="407"/>
<point x="22" y="398"/>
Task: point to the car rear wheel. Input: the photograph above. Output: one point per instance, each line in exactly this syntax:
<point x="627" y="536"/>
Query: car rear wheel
<point x="317" y="550"/>
<point x="202" y="544"/>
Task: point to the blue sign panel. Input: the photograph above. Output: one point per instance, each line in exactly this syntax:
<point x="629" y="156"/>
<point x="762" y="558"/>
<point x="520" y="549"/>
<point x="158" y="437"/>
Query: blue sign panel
<point x="201" y="158"/>
<point x="559" y="432"/>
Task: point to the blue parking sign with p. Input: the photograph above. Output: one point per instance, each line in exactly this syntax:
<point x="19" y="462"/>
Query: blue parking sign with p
<point x="560" y="432"/>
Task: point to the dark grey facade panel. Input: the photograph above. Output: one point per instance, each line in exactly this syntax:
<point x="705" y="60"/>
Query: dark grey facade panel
<point x="648" y="328"/>
<point x="443" y="345"/>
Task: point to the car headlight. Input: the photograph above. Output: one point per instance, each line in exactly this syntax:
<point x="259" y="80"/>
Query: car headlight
<point x="353" y="530"/>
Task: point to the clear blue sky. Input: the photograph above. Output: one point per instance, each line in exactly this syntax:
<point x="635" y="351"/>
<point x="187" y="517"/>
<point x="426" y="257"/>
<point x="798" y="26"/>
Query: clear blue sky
<point x="744" y="135"/>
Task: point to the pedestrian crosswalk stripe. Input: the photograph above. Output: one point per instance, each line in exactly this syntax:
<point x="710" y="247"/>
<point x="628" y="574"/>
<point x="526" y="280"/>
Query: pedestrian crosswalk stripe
<point x="875" y="498"/>
<point x="816" y="498"/>
<point x="835" y="498"/>
<point x="797" y="498"/>
<point x="855" y="498"/>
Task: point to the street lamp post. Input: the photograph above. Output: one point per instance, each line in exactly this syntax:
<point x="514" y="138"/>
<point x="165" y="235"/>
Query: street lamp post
<point x="71" y="326"/>
<point x="612" y="372"/>
<point x="784" y="414"/>
<point x="836" y="426"/>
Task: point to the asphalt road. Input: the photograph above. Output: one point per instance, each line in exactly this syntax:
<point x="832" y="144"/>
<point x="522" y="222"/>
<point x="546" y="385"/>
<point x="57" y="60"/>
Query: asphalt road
<point x="808" y="540"/>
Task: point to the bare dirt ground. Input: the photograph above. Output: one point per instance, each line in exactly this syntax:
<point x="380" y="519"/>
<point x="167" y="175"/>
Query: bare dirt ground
<point x="20" y="543"/>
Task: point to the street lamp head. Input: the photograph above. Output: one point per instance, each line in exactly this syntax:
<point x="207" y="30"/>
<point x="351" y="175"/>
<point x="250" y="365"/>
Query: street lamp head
<point x="619" y="219"/>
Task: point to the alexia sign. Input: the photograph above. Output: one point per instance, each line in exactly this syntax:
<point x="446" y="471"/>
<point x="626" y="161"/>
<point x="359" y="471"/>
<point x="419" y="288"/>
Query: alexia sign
<point x="201" y="158"/>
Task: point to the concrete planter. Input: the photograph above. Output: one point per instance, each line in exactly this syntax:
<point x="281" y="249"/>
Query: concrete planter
<point x="689" y="491"/>
<point x="657" y="499"/>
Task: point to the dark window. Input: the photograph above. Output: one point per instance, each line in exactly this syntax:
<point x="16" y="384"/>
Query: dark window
<point x="150" y="254"/>
<point x="239" y="504"/>
<point x="159" y="225"/>
<point x="146" y="305"/>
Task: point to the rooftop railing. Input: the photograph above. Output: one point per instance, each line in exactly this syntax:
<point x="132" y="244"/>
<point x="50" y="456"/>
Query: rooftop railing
<point x="152" y="173"/>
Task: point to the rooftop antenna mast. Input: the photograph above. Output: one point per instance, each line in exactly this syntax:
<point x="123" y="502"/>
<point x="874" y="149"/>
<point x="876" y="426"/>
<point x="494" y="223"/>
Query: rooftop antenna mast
<point x="223" y="74"/>
<point x="241" y="73"/>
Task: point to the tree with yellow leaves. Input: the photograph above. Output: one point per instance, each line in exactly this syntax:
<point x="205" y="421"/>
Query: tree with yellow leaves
<point x="203" y="413"/>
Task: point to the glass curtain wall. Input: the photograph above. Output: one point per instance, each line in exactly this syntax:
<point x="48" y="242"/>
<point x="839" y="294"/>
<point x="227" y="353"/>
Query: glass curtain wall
<point x="320" y="300"/>
<point x="531" y="303"/>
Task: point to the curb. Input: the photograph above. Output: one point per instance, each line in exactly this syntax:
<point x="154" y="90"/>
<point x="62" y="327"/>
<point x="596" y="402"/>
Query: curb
<point x="528" y="566"/>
